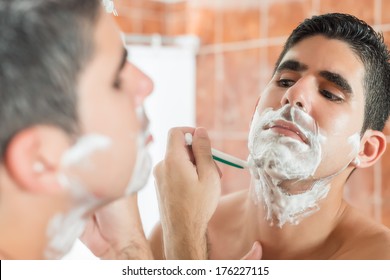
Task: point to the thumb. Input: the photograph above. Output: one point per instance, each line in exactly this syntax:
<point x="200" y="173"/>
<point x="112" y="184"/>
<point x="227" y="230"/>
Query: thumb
<point x="255" y="253"/>
<point x="201" y="149"/>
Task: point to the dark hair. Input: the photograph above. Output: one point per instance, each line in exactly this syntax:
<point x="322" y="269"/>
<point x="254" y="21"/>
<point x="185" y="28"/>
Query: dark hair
<point x="370" y="48"/>
<point x="44" y="45"/>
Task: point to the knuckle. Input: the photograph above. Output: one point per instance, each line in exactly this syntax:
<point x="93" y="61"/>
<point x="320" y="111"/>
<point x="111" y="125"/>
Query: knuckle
<point x="172" y="132"/>
<point x="157" y="169"/>
<point x="170" y="163"/>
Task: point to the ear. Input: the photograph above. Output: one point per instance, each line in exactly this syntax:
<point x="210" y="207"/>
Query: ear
<point x="373" y="145"/>
<point x="33" y="157"/>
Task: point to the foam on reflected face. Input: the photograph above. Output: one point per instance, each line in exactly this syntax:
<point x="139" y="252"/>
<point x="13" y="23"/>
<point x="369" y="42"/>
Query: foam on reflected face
<point x="285" y="158"/>
<point x="283" y="167"/>
<point x="354" y="142"/>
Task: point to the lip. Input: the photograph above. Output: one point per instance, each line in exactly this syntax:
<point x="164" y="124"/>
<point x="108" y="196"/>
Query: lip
<point x="148" y="138"/>
<point x="288" y="129"/>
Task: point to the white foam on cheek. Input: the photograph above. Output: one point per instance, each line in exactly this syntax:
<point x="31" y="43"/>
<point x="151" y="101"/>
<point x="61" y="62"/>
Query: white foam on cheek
<point x="280" y="156"/>
<point x="64" y="228"/>
<point x="276" y="159"/>
<point x="281" y="164"/>
<point x="142" y="168"/>
<point x="84" y="148"/>
<point x="322" y="138"/>
<point x="354" y="142"/>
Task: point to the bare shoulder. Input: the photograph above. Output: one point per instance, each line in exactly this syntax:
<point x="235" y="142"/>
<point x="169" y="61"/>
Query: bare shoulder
<point x="229" y="206"/>
<point x="156" y="242"/>
<point x="364" y="239"/>
<point x="226" y="229"/>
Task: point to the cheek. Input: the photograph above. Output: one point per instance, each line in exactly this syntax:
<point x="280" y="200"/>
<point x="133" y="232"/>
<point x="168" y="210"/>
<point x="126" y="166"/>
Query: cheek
<point x="112" y="171"/>
<point x="123" y="161"/>
<point x="110" y="113"/>
<point x="338" y="124"/>
<point x="268" y="100"/>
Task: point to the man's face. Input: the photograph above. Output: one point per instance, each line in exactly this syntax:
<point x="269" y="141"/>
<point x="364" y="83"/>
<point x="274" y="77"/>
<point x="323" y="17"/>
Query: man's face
<point x="110" y="92"/>
<point x="324" y="79"/>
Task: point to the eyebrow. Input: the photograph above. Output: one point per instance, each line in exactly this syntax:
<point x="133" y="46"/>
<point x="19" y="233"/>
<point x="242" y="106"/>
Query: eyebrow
<point x="332" y="77"/>
<point x="292" y="65"/>
<point x="338" y="80"/>
<point x="122" y="64"/>
<point x="123" y="61"/>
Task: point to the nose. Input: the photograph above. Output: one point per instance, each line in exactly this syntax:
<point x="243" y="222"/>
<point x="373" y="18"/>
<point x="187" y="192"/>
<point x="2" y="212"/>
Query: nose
<point x="300" y="95"/>
<point x="141" y="86"/>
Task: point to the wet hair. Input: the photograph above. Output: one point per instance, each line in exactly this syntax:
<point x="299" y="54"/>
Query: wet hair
<point x="368" y="45"/>
<point x="44" y="45"/>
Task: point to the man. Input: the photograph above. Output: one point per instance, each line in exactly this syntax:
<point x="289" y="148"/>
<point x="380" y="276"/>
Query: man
<point x="73" y="132"/>
<point x="319" y="118"/>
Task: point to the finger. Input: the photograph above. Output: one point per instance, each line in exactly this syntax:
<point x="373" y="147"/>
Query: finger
<point x="158" y="173"/>
<point x="201" y="148"/>
<point x="88" y="233"/>
<point x="255" y="253"/>
<point x="176" y="146"/>
<point x="157" y="170"/>
<point x="218" y="169"/>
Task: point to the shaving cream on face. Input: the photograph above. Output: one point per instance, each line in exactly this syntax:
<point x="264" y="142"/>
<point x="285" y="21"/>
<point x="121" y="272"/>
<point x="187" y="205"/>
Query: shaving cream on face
<point x="284" y="158"/>
<point x="78" y="164"/>
<point x="283" y="168"/>
<point x="64" y="228"/>
<point x="354" y="142"/>
<point x="143" y="164"/>
<point x="80" y="154"/>
<point x="285" y="208"/>
<point x="142" y="168"/>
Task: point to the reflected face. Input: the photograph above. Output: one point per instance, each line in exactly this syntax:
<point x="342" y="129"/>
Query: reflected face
<point x="111" y="91"/>
<point x="306" y="128"/>
<point x="324" y="79"/>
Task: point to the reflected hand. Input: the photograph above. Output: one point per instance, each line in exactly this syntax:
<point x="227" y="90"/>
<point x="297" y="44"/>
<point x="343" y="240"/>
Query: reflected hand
<point x="115" y="231"/>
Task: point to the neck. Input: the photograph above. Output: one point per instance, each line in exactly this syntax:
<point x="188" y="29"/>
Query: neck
<point x="24" y="217"/>
<point x="303" y="239"/>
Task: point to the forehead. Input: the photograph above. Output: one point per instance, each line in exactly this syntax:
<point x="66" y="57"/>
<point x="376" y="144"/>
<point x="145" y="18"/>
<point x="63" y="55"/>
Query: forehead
<point x="106" y="38"/>
<point x="323" y="54"/>
<point x="99" y="72"/>
<point x="320" y="54"/>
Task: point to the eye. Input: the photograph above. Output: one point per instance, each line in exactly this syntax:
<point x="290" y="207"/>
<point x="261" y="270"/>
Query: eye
<point x="117" y="83"/>
<point x="330" y="96"/>
<point x="285" y="83"/>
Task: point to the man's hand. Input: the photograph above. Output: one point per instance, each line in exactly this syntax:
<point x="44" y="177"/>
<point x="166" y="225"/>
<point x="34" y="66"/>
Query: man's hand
<point x="188" y="189"/>
<point x="115" y="231"/>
